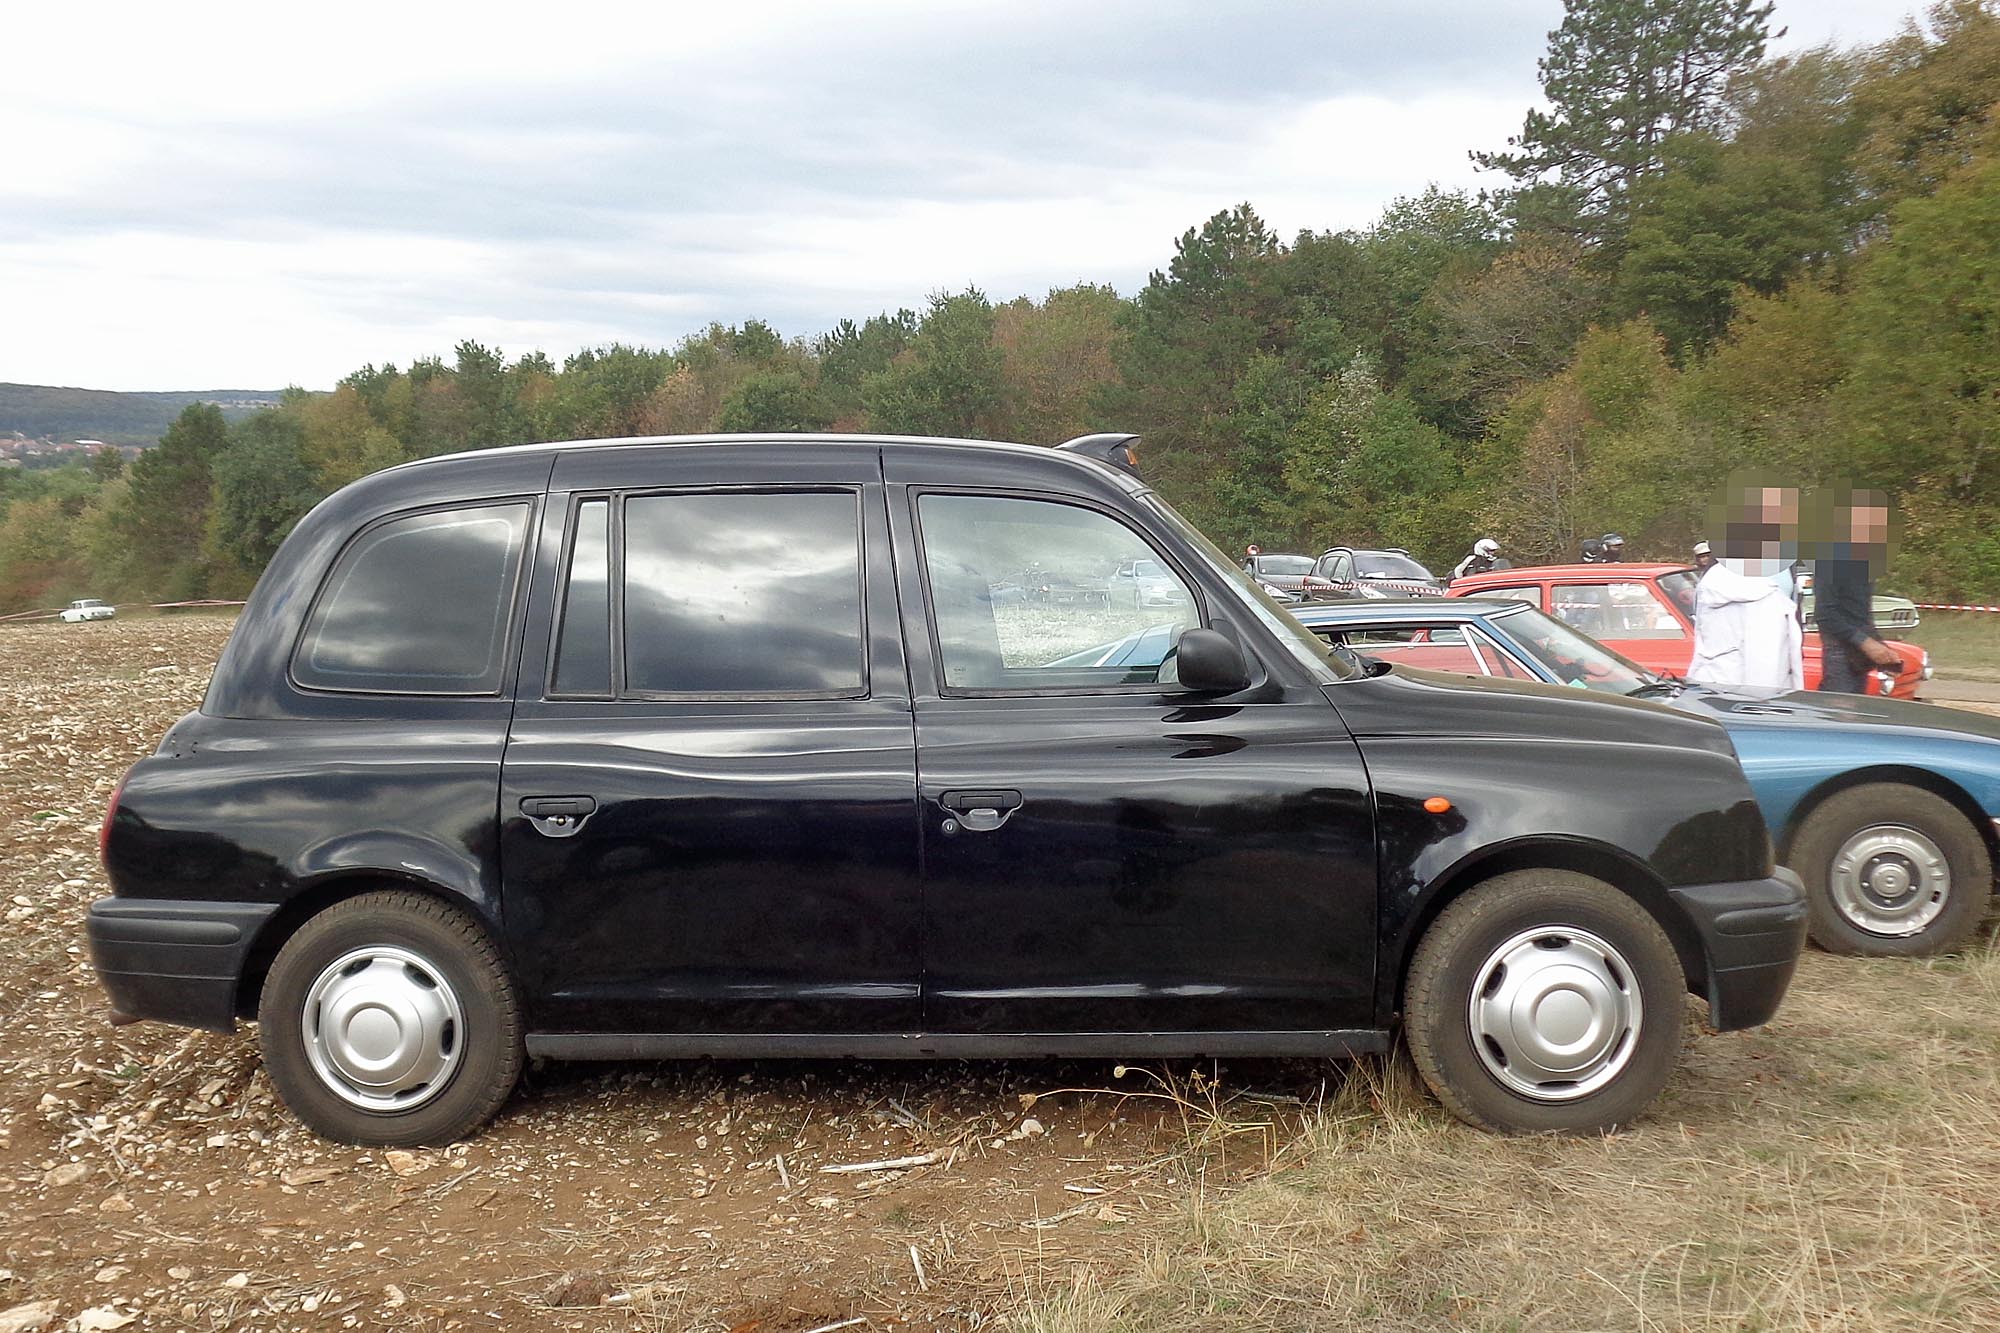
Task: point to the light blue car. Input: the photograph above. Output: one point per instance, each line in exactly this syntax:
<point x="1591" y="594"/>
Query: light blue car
<point x="1887" y="809"/>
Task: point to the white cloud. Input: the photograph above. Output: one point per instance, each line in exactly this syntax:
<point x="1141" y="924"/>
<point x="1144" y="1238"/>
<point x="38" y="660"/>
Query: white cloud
<point x="252" y="195"/>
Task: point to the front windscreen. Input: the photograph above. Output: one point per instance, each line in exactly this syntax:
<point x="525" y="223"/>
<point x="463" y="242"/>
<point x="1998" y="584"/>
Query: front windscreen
<point x="1311" y="651"/>
<point x="1573" y="658"/>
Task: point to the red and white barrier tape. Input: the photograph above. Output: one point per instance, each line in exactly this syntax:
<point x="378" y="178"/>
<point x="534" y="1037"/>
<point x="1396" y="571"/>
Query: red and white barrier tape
<point x="1952" y="606"/>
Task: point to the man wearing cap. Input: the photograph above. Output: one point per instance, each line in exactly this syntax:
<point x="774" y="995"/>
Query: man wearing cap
<point x="1614" y="548"/>
<point x="1703" y="558"/>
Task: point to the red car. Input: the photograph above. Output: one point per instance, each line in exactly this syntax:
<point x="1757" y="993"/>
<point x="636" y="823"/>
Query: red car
<point x="1645" y="612"/>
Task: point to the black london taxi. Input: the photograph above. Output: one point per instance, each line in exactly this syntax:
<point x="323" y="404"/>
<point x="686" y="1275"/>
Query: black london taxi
<point x="755" y="746"/>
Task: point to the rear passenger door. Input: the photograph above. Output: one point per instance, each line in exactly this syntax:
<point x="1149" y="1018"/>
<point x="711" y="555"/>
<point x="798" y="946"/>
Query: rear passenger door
<point x="708" y="800"/>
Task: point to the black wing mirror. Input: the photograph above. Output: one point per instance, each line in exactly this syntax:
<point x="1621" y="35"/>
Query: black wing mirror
<point x="1208" y="662"/>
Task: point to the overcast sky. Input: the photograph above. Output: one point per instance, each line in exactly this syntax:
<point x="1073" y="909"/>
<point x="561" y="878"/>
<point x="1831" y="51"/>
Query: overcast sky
<point x="205" y="196"/>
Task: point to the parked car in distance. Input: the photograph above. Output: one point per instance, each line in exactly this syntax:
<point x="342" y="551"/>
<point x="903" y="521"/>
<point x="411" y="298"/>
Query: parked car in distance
<point x="1886" y="809"/>
<point x="1358" y="571"/>
<point x="1145" y="583"/>
<point x="521" y="752"/>
<point x="1646" y="613"/>
<point x="1289" y="578"/>
<point x="87" y="608"/>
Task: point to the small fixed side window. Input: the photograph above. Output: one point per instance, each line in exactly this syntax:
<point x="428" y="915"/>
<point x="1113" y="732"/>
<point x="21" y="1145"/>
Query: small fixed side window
<point x="418" y="604"/>
<point x="583" y="653"/>
<point x="732" y="593"/>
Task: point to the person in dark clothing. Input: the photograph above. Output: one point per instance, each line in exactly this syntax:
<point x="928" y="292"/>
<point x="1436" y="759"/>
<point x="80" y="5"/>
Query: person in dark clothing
<point x="1844" y="595"/>
<point x="1614" y="548"/>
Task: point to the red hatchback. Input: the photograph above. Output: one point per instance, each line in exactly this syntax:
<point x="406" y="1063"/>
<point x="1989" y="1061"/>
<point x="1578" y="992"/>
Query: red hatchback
<point x="1645" y="612"/>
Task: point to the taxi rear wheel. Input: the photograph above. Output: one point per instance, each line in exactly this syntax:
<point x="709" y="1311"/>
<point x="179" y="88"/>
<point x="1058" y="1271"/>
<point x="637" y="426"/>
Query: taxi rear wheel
<point x="389" y="1019"/>
<point x="1891" y="870"/>
<point x="1544" y="1001"/>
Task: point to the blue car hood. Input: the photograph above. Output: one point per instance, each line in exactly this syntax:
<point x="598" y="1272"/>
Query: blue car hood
<point x="1864" y="712"/>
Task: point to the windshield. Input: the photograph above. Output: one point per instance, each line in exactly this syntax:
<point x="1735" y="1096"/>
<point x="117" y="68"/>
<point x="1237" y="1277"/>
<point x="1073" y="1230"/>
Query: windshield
<point x="1284" y="564"/>
<point x="1311" y="651"/>
<point x="1572" y="658"/>
<point x="1382" y="565"/>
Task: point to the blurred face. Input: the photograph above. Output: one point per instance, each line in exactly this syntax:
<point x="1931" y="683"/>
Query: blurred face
<point x="1868" y="525"/>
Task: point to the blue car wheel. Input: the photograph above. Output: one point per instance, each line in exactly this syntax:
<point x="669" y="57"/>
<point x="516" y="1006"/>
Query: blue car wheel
<point x="1892" y="870"/>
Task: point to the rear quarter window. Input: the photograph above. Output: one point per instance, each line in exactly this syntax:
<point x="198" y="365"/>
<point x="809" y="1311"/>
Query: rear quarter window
<point x="418" y="604"/>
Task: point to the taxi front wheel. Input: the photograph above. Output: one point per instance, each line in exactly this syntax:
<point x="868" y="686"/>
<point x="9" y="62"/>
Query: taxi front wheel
<point x="1544" y="1001"/>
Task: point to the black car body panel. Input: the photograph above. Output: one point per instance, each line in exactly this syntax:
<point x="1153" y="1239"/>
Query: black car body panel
<point x="907" y="863"/>
<point x="1489" y="746"/>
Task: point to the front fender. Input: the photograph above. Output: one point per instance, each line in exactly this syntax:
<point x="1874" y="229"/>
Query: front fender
<point x="1645" y="818"/>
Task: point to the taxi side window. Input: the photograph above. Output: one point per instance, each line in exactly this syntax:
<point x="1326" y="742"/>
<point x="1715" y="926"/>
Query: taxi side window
<point x="743" y="593"/>
<point x="1025" y="596"/>
<point x="419" y="604"/>
<point x="714" y="594"/>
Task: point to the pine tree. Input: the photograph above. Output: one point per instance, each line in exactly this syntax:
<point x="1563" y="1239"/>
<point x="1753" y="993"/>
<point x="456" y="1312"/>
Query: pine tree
<point x="1620" y="76"/>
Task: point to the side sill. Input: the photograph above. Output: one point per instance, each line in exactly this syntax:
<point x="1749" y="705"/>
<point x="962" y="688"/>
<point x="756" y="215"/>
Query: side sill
<point x="1337" y="1043"/>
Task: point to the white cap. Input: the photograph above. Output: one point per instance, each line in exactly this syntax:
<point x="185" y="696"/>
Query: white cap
<point x="1486" y="546"/>
<point x="1701" y="548"/>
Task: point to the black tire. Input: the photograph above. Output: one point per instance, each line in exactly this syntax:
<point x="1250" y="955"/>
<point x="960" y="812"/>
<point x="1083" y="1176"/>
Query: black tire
<point x="456" y="959"/>
<point x="1877" y="812"/>
<point x="1558" y="908"/>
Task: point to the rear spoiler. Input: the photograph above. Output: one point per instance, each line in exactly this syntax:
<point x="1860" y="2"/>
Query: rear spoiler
<point x="1121" y="451"/>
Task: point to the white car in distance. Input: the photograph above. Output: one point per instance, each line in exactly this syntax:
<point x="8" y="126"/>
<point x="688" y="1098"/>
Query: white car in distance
<point x="87" y="608"/>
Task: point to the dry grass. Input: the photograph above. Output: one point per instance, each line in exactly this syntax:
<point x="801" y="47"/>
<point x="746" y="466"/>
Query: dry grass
<point x="1961" y="643"/>
<point x="1836" y="1170"/>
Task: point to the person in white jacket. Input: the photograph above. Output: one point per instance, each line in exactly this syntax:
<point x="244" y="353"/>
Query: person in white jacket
<point x="1745" y="632"/>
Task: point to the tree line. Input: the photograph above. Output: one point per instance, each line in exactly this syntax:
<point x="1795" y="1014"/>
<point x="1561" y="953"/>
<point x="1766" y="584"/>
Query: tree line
<point x="1699" y="260"/>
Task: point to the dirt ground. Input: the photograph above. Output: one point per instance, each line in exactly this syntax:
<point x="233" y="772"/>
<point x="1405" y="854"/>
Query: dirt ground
<point x="149" y="1172"/>
<point x="1833" y="1170"/>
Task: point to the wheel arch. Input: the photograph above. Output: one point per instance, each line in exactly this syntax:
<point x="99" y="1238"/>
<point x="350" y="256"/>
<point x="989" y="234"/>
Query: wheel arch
<point x="1598" y="860"/>
<point x="326" y="891"/>
<point x="1907" y="775"/>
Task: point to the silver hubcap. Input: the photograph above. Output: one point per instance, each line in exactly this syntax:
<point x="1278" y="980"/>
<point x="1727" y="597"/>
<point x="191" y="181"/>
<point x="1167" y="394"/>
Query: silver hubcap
<point x="1890" y="880"/>
<point x="1555" y="1013"/>
<point x="383" y="1028"/>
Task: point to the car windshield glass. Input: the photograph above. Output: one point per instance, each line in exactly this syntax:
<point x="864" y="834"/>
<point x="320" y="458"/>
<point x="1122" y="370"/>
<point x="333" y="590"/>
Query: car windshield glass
<point x="1572" y="658"/>
<point x="1382" y="565"/>
<point x="1679" y="585"/>
<point x="1284" y="564"/>
<point x="1311" y="651"/>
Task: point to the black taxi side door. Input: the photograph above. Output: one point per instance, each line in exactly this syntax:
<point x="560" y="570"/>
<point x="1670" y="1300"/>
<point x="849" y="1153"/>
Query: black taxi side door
<point x="707" y="807"/>
<point x="1105" y="852"/>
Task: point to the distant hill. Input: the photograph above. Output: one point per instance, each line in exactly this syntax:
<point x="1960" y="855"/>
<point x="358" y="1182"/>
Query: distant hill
<point x="45" y="411"/>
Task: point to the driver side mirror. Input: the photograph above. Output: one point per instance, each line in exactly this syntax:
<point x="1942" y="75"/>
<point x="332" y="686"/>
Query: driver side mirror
<point x="1208" y="662"/>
